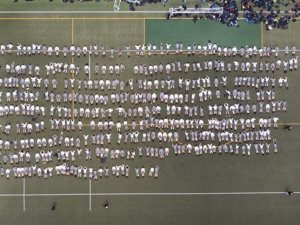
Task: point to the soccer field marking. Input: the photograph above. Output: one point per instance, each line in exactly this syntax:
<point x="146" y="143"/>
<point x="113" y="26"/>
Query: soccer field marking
<point x="90" y="195"/>
<point x="88" y="18"/>
<point x="261" y="35"/>
<point x="89" y="66"/>
<point x="106" y="12"/>
<point x="24" y="194"/>
<point x="144" y="31"/>
<point x="99" y="18"/>
<point x="83" y="12"/>
<point x="72" y="30"/>
<point x="94" y="18"/>
<point x="150" y="194"/>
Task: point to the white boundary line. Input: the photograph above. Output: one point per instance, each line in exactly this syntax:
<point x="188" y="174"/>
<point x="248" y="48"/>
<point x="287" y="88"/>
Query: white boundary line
<point x="90" y="195"/>
<point x="148" y="194"/>
<point x="24" y="195"/>
<point x="83" y="12"/>
<point x="99" y="12"/>
<point x="89" y="66"/>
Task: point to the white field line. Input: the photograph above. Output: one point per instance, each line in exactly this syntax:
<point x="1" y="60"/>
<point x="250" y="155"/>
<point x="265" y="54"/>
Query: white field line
<point x="82" y="12"/>
<point x="148" y="194"/>
<point x="89" y="66"/>
<point x="90" y="195"/>
<point x="100" y="12"/>
<point x="24" y="195"/>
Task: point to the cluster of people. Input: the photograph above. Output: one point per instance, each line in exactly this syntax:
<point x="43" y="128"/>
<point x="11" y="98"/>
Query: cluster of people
<point x="254" y="11"/>
<point x="273" y="18"/>
<point x="230" y="13"/>
<point x="178" y="104"/>
<point x="268" y="12"/>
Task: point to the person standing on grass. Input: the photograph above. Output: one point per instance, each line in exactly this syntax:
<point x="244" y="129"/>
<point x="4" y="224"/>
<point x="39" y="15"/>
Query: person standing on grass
<point x="289" y="192"/>
<point x="53" y="207"/>
<point x="106" y="204"/>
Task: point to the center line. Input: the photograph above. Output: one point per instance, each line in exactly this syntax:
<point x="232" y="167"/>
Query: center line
<point x="72" y="31"/>
<point x="89" y="66"/>
<point x="90" y="196"/>
<point x="24" y="195"/>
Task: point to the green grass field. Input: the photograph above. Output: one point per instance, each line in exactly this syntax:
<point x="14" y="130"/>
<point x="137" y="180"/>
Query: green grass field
<point x="183" y="174"/>
<point x="168" y="31"/>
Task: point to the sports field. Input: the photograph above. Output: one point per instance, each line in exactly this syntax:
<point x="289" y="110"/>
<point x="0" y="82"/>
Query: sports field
<point x="210" y="189"/>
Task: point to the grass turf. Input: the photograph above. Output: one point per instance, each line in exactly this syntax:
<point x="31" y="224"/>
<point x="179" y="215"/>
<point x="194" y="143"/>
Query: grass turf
<point x="172" y="31"/>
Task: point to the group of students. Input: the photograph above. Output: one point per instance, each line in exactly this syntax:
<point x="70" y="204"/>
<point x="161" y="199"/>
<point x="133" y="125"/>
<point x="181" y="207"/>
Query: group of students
<point x="144" y="110"/>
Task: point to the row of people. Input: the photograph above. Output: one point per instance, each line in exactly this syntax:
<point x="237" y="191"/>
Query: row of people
<point x="229" y="148"/>
<point x="175" y="110"/>
<point x="76" y="171"/>
<point x="47" y="156"/>
<point x="138" y="136"/>
<point x="141" y="84"/>
<point x="217" y="65"/>
<point x="291" y="64"/>
<point x="210" y="48"/>
<point x="22" y="110"/>
<point x="148" y="113"/>
<point x="143" y="124"/>
<point x="152" y="97"/>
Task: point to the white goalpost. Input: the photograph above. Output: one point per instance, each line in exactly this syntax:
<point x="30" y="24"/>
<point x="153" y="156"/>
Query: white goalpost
<point x="182" y="11"/>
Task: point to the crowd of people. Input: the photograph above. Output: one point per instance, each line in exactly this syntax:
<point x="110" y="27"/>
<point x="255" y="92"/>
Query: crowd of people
<point x="273" y="19"/>
<point x="273" y="14"/>
<point x="258" y="11"/>
<point x="86" y="112"/>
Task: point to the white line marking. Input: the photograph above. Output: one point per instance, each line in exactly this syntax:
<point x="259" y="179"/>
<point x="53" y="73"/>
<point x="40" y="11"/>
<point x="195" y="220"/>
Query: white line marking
<point x="90" y="195"/>
<point x="146" y="194"/>
<point x="80" y="12"/>
<point x="24" y="195"/>
<point x="102" y="12"/>
<point x="89" y="66"/>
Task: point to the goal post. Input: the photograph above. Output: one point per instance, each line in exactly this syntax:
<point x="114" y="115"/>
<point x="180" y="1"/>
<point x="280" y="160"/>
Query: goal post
<point x="182" y="11"/>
